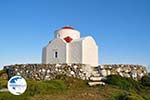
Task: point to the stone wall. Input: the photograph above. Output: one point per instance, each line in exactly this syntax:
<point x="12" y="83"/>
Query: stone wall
<point x="125" y="70"/>
<point x="85" y="72"/>
<point x="49" y="71"/>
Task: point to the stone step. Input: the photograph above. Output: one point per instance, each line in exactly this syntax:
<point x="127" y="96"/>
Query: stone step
<point x="96" y="78"/>
<point x="96" y="75"/>
<point x="95" y="83"/>
<point x="95" y="72"/>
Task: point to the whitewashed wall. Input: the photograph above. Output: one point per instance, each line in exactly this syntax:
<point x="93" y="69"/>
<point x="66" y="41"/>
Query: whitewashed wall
<point x="56" y="45"/>
<point x="75" y="52"/>
<point x="83" y="51"/>
<point x="62" y="33"/>
<point x="90" y="51"/>
<point x="44" y="57"/>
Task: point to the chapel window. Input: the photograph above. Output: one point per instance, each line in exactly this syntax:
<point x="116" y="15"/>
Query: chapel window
<point x="56" y="54"/>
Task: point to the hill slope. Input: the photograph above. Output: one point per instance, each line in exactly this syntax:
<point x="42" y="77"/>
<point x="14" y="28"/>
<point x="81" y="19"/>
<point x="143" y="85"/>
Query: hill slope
<point x="67" y="88"/>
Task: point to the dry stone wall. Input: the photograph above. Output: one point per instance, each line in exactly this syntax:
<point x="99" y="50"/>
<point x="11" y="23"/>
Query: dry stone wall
<point x="85" y="72"/>
<point x="49" y="71"/>
<point x="125" y="70"/>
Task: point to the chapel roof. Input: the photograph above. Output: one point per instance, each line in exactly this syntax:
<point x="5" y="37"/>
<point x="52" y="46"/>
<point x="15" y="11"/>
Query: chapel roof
<point x="67" y="27"/>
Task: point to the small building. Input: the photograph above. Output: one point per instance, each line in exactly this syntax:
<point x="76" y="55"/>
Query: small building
<point x="68" y="47"/>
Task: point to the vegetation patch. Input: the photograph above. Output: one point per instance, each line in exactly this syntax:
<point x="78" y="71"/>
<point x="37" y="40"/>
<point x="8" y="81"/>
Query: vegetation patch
<point x="3" y="83"/>
<point x="145" y="81"/>
<point x="45" y="87"/>
<point x="2" y="72"/>
<point x="126" y="96"/>
<point x="123" y="83"/>
<point x="68" y="88"/>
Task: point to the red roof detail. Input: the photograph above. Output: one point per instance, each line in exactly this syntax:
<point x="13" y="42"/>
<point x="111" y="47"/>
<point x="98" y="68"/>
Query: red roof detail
<point x="67" y="27"/>
<point x="68" y="39"/>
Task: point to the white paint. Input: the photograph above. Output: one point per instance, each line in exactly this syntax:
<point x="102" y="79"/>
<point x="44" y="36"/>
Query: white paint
<point x="62" y="33"/>
<point x="79" y="50"/>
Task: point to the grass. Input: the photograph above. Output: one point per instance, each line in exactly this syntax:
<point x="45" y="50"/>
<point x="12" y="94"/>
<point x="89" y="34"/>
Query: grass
<point x="67" y="88"/>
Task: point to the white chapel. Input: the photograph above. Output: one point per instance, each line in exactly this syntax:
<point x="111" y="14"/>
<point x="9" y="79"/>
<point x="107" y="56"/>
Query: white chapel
<point x="68" y="47"/>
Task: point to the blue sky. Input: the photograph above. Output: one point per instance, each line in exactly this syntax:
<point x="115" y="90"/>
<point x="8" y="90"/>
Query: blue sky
<point x="120" y="27"/>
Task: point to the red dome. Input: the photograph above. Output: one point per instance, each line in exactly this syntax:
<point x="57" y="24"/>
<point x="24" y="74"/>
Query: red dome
<point x="67" y="27"/>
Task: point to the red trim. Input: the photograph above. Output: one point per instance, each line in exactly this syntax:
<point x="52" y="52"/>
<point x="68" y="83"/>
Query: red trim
<point x="67" y="27"/>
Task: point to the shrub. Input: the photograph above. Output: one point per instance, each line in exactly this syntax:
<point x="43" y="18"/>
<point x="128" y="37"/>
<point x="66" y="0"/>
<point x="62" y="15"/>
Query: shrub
<point x="145" y="81"/>
<point x="125" y="96"/>
<point x="122" y="82"/>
